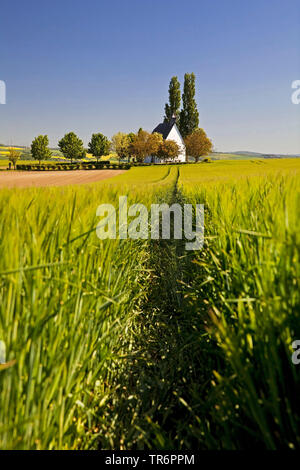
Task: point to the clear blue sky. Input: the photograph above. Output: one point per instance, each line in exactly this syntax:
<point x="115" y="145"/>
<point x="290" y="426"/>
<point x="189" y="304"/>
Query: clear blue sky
<point x="105" y="65"/>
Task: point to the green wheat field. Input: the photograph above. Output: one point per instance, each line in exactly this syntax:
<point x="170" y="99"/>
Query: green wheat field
<point x="140" y="344"/>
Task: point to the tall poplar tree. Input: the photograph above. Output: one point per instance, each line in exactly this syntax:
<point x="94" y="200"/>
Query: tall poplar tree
<point x="189" y="116"/>
<point x="173" y="107"/>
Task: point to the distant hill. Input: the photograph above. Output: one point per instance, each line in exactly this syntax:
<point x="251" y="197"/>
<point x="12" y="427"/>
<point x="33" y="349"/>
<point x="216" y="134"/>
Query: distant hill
<point x="267" y="155"/>
<point x="246" y="154"/>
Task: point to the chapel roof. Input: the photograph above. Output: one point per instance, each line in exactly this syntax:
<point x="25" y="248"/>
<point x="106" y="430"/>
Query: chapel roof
<point x="165" y="127"/>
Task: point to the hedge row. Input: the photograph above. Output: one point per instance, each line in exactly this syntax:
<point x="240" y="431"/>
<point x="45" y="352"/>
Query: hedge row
<point x="94" y="166"/>
<point x="74" y="166"/>
<point x="206" y="160"/>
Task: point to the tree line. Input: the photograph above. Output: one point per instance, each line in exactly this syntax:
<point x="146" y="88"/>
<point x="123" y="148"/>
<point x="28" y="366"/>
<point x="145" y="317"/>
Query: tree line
<point x="142" y="144"/>
<point x="126" y="146"/>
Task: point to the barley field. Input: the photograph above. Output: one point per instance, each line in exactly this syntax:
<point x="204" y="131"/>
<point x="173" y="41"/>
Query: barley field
<point x="140" y="344"/>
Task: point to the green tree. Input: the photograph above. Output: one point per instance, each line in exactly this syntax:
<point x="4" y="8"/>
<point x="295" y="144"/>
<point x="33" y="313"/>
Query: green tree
<point x="198" y="144"/>
<point x="99" y="145"/>
<point x="71" y="146"/>
<point x="39" y="148"/>
<point x="13" y="156"/>
<point x="173" y="107"/>
<point x="189" y="116"/>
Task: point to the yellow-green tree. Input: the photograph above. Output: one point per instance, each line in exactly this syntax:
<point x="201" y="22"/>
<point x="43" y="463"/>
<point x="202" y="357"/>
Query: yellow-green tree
<point x="13" y="156"/>
<point x="120" y="144"/>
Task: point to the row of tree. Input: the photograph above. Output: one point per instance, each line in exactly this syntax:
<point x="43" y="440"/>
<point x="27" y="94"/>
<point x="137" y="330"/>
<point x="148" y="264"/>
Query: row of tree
<point x="126" y="146"/>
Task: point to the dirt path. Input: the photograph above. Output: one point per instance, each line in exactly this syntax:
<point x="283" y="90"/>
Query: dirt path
<point x="22" y="179"/>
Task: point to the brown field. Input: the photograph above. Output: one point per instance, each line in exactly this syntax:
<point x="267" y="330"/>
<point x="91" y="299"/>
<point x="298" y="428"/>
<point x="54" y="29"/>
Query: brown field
<point x="13" y="179"/>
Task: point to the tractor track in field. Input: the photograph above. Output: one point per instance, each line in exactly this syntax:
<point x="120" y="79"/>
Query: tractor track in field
<point x="160" y="367"/>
